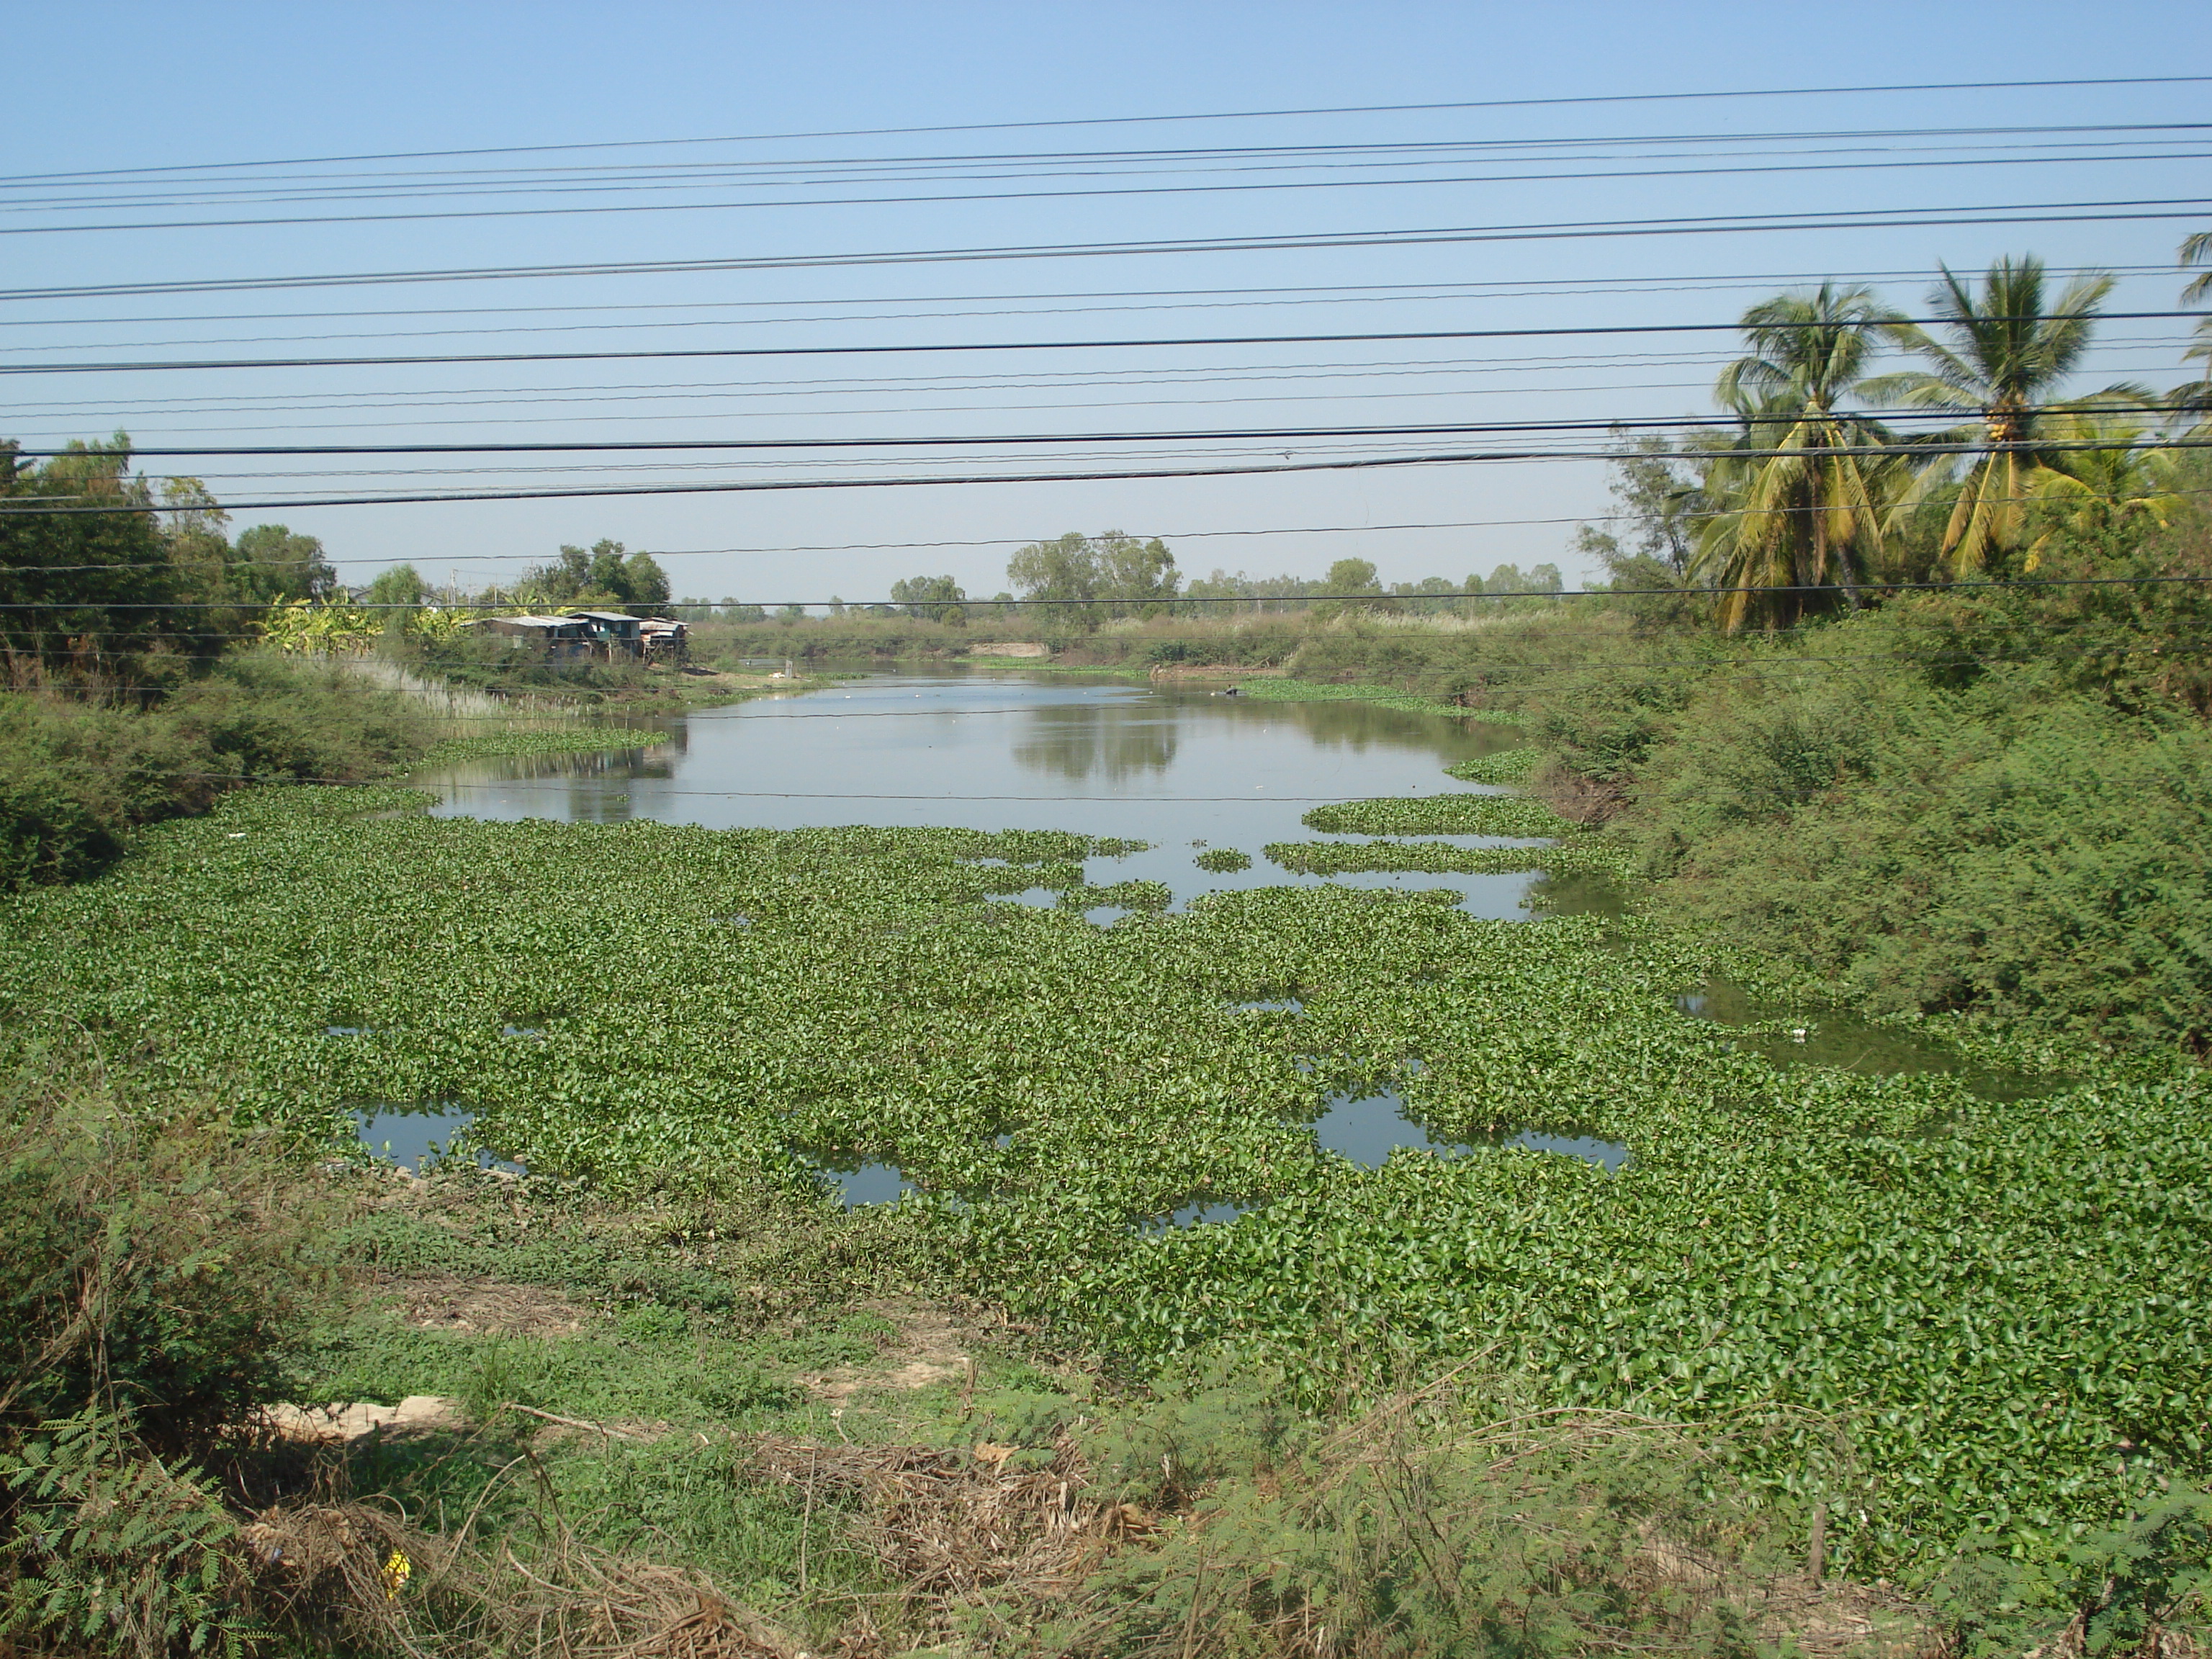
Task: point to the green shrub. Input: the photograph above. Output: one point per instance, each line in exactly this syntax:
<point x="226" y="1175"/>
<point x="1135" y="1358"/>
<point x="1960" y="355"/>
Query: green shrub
<point x="2045" y="861"/>
<point x="161" y="1270"/>
<point x="75" y="777"/>
<point x="112" y="1550"/>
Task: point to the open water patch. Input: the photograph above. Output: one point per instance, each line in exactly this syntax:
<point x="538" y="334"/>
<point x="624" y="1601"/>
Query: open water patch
<point x="1199" y="1214"/>
<point x="865" y="1181"/>
<point x="1367" y="1128"/>
<point x="1837" y="1037"/>
<point x="413" y="1138"/>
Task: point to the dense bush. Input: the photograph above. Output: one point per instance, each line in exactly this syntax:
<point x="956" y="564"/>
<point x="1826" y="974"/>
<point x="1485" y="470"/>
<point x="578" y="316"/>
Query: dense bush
<point x="1979" y="800"/>
<point x="153" y="1270"/>
<point x="2051" y="863"/>
<point x="76" y="777"/>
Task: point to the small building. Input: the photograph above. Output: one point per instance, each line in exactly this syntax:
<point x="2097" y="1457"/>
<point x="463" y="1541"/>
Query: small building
<point x="617" y="630"/>
<point x="557" y="637"/>
<point x="665" y="639"/>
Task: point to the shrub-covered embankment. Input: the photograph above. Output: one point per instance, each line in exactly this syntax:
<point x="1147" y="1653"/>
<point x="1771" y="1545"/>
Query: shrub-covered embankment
<point x="77" y="777"/>
<point x="1988" y="803"/>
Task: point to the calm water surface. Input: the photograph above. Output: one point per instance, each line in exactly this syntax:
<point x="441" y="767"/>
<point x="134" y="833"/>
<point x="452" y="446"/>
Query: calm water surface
<point x="1180" y="768"/>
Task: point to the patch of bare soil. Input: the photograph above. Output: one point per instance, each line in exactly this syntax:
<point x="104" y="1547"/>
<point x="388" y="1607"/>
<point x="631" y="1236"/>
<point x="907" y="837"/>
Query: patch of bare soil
<point x="926" y="1350"/>
<point x="420" y="1414"/>
<point x="1212" y="670"/>
<point x="486" y="1306"/>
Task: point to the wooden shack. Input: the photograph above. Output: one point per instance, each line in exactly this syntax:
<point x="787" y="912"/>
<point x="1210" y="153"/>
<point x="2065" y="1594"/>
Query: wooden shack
<point x="664" y="639"/>
<point x="616" y="630"/>
<point x="556" y="636"/>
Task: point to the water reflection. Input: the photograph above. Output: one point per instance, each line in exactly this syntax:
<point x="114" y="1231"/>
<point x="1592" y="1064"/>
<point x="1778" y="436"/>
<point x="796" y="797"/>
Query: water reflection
<point x="413" y="1138"/>
<point x="1112" y="742"/>
<point x="872" y="1184"/>
<point x="1834" y="1036"/>
<point x="1368" y="1128"/>
<point x="1170" y="765"/>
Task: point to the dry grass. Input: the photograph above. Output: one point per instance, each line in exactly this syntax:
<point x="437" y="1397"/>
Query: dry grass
<point x="361" y="1572"/>
<point x="946" y="1523"/>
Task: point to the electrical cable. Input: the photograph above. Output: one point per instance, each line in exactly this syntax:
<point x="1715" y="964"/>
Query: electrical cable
<point x="1517" y="288"/>
<point x="1132" y="120"/>
<point x="1875" y="588"/>
<point x="424" y="215"/>
<point x="1623" y="423"/>
<point x="1563" y="332"/>
<point x="2086" y="212"/>
<point x="987" y="541"/>
<point x="1264" y="469"/>
<point x="934" y="167"/>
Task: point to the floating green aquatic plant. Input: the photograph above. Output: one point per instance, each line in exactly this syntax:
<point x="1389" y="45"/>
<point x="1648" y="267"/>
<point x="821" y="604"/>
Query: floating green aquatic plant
<point x="1440" y="815"/>
<point x="1939" y="1312"/>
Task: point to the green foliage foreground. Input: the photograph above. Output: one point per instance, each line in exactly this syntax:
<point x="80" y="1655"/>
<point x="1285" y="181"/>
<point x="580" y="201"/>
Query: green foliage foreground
<point x="1938" y="1313"/>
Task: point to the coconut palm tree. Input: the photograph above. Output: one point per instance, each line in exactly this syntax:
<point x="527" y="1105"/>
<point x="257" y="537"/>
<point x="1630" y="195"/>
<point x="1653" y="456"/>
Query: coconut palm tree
<point x="1803" y="500"/>
<point x="2121" y="479"/>
<point x="2197" y="395"/>
<point x="2010" y="348"/>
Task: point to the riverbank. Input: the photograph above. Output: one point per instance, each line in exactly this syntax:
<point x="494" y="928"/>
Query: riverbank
<point x="79" y="774"/>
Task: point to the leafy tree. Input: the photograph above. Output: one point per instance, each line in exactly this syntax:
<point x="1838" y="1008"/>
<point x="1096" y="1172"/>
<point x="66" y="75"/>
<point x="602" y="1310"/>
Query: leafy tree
<point x="1805" y="503"/>
<point x="99" y="581"/>
<point x="1080" y="580"/>
<point x="401" y="585"/>
<point x="931" y="599"/>
<point x="1351" y="576"/>
<point x="1137" y="577"/>
<point x="1662" y="497"/>
<point x="193" y="531"/>
<point x="2010" y="347"/>
<point x="1060" y="578"/>
<point x="270" y="563"/>
<point x="1425" y="594"/>
<point x="605" y="576"/>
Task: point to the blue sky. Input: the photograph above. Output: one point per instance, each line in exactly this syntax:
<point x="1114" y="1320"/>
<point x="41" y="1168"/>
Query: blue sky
<point x="174" y="85"/>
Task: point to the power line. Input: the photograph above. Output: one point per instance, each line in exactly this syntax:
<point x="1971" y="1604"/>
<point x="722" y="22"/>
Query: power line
<point x="1253" y="186"/>
<point x="2093" y="212"/>
<point x="1874" y="589"/>
<point x="1263" y="469"/>
<point x="685" y="352"/>
<point x="1132" y="120"/>
<point x="934" y="166"/>
<point x="631" y="446"/>
<point x="1518" y="287"/>
<point x="884" y="547"/>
